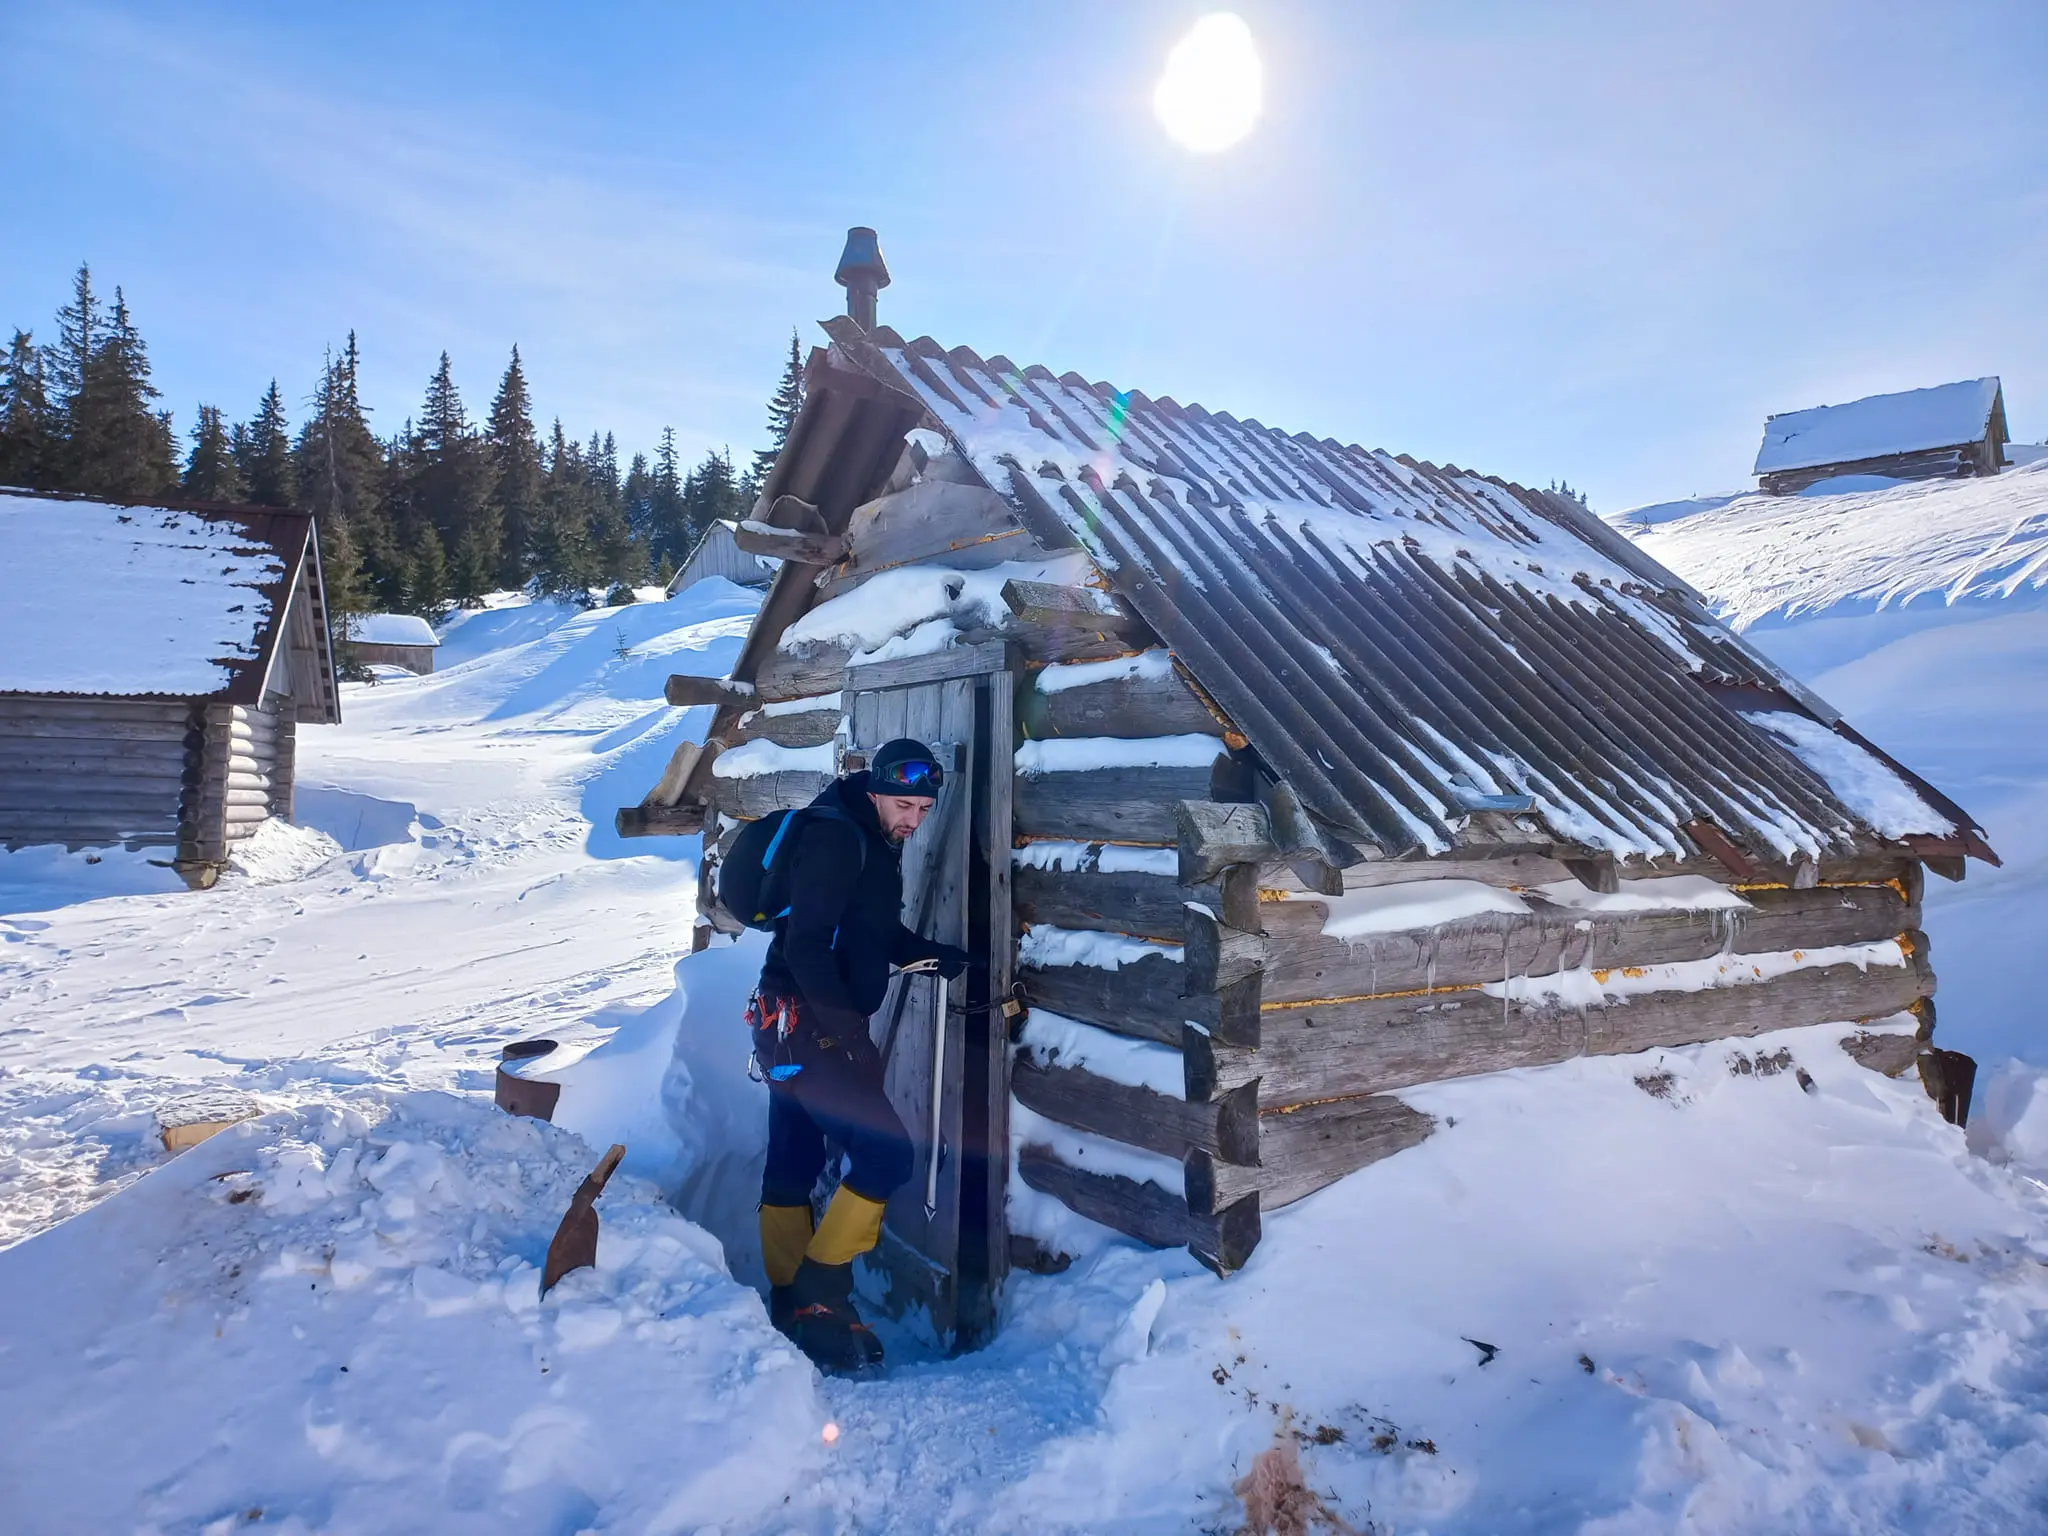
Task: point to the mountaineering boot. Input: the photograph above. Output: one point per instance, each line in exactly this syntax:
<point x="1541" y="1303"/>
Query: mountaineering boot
<point x="785" y="1233"/>
<point x="828" y="1329"/>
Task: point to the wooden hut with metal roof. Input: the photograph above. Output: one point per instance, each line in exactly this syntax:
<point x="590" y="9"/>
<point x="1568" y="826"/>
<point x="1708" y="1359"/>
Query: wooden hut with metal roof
<point x="156" y="660"/>
<point x="718" y="553"/>
<point x="1287" y="775"/>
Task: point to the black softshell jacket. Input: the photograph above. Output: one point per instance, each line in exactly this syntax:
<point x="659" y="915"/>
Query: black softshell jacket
<point x="845" y="924"/>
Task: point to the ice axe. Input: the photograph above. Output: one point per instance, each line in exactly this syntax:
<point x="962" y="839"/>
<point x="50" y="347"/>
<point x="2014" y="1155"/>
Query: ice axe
<point x="575" y="1241"/>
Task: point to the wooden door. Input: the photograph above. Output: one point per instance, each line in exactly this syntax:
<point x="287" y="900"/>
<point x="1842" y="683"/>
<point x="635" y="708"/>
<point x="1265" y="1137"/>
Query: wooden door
<point x="956" y="871"/>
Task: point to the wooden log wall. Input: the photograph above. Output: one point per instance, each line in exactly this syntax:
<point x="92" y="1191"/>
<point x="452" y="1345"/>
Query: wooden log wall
<point x="1292" y="1040"/>
<point x="94" y="772"/>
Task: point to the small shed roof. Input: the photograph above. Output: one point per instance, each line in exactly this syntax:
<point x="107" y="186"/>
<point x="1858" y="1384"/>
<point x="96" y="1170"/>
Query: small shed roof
<point x="392" y="629"/>
<point x="1402" y="642"/>
<point x="1912" y="420"/>
<point x="149" y="599"/>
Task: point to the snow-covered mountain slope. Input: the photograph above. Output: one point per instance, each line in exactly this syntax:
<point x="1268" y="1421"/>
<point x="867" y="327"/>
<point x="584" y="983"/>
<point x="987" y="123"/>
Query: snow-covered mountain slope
<point x="1921" y="611"/>
<point x="1715" y="1299"/>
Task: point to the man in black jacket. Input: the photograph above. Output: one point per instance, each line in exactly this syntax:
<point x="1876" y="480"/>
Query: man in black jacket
<point x="827" y="970"/>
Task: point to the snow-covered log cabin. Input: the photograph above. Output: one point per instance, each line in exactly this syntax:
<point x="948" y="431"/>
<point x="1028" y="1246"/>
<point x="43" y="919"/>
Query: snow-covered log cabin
<point x="393" y="640"/>
<point x="155" y="663"/>
<point x="1948" y="431"/>
<point x="1287" y="775"/>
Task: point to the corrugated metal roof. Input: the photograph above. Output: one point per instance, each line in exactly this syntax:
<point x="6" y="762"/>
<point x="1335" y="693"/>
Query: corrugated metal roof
<point x="148" y="598"/>
<point x="1945" y="416"/>
<point x="1400" y="642"/>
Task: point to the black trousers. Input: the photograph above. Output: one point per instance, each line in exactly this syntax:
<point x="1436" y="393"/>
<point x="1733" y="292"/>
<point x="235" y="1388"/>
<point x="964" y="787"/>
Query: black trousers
<point x="837" y="1096"/>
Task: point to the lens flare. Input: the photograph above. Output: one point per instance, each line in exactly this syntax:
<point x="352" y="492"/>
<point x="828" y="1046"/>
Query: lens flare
<point x="831" y="1433"/>
<point x="1213" y="86"/>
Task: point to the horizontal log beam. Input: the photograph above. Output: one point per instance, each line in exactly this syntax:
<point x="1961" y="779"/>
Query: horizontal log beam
<point x="1306" y="1149"/>
<point x="686" y="691"/>
<point x="1052" y="606"/>
<point x="1304" y="963"/>
<point x="1125" y="901"/>
<point x="1321" y="1050"/>
<point x="756" y="795"/>
<point x="1119" y="805"/>
<point x="1129" y="707"/>
<point x="963" y="525"/>
<point x="1142" y="999"/>
<point x="101" y="729"/>
<point x="789" y="544"/>
<point x="40" y="706"/>
<point x="798" y="728"/>
<point x="973" y="660"/>
<point x="1227" y="1127"/>
<point x="1523" y="868"/>
<point x="1152" y="1215"/>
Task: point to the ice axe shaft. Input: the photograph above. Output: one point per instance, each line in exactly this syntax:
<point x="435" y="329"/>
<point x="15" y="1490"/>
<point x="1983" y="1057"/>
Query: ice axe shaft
<point x="931" y="1172"/>
<point x="575" y="1241"/>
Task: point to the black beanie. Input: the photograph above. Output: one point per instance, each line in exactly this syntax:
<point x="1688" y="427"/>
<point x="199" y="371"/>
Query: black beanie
<point x="896" y="754"/>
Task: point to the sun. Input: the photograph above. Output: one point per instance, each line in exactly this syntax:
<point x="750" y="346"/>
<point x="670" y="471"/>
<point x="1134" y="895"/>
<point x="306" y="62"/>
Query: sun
<point x="1213" y="86"/>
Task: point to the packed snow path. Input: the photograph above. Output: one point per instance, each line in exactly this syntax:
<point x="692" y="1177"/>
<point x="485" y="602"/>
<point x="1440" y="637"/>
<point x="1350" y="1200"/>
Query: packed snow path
<point x="1714" y="1299"/>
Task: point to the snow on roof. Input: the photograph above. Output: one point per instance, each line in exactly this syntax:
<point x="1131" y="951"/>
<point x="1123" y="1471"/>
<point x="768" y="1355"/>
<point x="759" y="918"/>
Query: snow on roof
<point x="102" y="598"/>
<point x="391" y="629"/>
<point x="1914" y="419"/>
<point x="1945" y="540"/>
<point x="1495" y="641"/>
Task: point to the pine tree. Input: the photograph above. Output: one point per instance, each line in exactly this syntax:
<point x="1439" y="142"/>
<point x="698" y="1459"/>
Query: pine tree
<point x="210" y="472"/>
<point x="428" y="572"/>
<point x="783" y="409"/>
<point x="636" y="494"/>
<point x="564" y="563"/>
<point x="447" y="489"/>
<point x="28" y="425"/>
<point x="340" y="468"/>
<point x="68" y="370"/>
<point x="135" y="450"/>
<point x="265" y="459"/>
<point x="668" y="528"/>
<point x="391" y="577"/>
<point x="512" y="456"/>
<point x="711" y="495"/>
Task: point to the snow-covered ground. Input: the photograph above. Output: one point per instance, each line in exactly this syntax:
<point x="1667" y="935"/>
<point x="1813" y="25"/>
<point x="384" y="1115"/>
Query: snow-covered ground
<point x="1678" y="1292"/>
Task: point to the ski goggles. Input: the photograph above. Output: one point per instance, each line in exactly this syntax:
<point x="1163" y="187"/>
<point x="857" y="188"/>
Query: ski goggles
<point x="915" y="776"/>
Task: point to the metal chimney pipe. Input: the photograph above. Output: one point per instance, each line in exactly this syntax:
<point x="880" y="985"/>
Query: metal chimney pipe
<point x="862" y="273"/>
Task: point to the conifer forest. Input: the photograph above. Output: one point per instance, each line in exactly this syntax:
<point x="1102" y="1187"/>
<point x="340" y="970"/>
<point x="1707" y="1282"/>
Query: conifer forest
<point x="426" y="517"/>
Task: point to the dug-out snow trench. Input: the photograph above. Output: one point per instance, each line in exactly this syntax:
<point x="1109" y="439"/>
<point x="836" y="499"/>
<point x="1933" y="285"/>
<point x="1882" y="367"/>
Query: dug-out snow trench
<point x="670" y="1082"/>
<point x="356" y="820"/>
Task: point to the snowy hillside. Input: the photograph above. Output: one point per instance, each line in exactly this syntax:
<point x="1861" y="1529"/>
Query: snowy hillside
<point x="1921" y="611"/>
<point x="1734" y="1288"/>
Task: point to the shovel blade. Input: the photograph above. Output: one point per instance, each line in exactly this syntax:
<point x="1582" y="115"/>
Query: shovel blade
<point x="575" y="1241"/>
<point x="574" y="1245"/>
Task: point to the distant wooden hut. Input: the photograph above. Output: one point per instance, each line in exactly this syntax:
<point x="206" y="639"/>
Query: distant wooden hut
<point x="1951" y="430"/>
<point x="155" y="663"/>
<point x="719" y="553"/>
<point x="1284" y="775"/>
<point x="393" y="639"/>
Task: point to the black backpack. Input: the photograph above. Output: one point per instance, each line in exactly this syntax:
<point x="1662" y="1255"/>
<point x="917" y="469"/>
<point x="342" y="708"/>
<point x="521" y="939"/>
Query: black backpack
<point x="747" y="887"/>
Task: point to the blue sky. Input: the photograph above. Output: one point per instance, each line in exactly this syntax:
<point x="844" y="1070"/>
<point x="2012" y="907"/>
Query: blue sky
<point x="1596" y="242"/>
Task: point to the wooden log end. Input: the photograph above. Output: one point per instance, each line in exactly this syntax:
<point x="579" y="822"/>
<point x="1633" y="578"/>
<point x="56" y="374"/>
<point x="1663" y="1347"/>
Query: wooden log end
<point x="1237" y="1233"/>
<point x="658" y="820"/>
<point x="1213" y="835"/>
